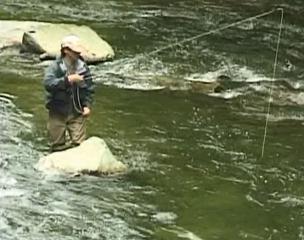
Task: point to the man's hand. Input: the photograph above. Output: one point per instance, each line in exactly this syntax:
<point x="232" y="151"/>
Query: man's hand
<point x="75" y="78"/>
<point x="86" y="112"/>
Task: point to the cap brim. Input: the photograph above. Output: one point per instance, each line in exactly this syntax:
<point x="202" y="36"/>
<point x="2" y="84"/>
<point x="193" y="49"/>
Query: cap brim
<point x="76" y="49"/>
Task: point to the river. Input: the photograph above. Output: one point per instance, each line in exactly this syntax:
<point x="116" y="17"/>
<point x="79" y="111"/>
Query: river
<point x="196" y="165"/>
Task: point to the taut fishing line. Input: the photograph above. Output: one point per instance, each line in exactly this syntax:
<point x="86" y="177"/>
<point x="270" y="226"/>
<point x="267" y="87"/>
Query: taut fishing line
<point x="272" y="80"/>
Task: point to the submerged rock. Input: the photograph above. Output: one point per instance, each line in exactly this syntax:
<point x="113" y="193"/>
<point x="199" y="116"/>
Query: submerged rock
<point x="91" y="156"/>
<point x="197" y="85"/>
<point x="45" y="39"/>
<point x="204" y="87"/>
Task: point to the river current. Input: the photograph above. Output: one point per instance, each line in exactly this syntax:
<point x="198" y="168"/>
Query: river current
<point x="196" y="170"/>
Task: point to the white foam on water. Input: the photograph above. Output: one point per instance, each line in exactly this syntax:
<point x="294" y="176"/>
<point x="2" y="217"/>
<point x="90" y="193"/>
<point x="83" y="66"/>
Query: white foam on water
<point x="130" y="67"/>
<point x="189" y="235"/>
<point x="8" y="181"/>
<point x="246" y="235"/>
<point x="251" y="199"/>
<point x="138" y="86"/>
<point x="13" y="149"/>
<point x="148" y="13"/>
<point x="6" y="97"/>
<point x="259" y="88"/>
<point x="131" y="73"/>
<point x="288" y="200"/>
<point x="183" y="233"/>
<point x="244" y="74"/>
<point x="235" y="72"/>
<point x="165" y="217"/>
<point x="297" y="98"/>
<point x="208" y="77"/>
<point x="4" y="193"/>
<point x="138" y="160"/>
<point x="227" y="95"/>
<point x="151" y="74"/>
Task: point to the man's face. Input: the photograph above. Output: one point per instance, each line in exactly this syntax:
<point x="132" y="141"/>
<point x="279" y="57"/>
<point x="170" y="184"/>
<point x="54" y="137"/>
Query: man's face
<point x="71" y="54"/>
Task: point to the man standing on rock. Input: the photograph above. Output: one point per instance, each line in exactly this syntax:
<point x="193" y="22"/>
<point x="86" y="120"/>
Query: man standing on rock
<point x="69" y="87"/>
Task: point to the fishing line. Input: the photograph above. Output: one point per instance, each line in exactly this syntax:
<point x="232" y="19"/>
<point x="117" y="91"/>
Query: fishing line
<point x="264" y="14"/>
<point x="79" y="107"/>
<point x="272" y="80"/>
<point x="214" y="31"/>
<point x="179" y="43"/>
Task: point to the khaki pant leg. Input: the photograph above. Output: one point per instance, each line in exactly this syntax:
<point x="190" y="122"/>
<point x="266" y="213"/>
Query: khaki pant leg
<point x="77" y="129"/>
<point x="57" y="128"/>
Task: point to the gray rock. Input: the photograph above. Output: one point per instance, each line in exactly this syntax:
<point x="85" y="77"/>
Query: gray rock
<point x="11" y="32"/>
<point x="45" y="39"/>
<point x="91" y="156"/>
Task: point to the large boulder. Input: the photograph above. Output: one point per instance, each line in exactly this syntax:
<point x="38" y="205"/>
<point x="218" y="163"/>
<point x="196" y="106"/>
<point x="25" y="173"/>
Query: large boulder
<point x="91" y="156"/>
<point x="11" y="32"/>
<point x="45" y="39"/>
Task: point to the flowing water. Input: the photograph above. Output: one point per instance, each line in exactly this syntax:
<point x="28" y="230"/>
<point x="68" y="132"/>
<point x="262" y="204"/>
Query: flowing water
<point x="195" y="163"/>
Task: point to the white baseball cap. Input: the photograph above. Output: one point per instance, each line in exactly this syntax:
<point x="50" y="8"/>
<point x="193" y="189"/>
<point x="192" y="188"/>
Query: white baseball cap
<point x="72" y="42"/>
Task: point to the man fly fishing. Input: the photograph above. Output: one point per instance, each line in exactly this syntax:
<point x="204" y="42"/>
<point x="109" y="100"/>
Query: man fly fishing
<point x="69" y="86"/>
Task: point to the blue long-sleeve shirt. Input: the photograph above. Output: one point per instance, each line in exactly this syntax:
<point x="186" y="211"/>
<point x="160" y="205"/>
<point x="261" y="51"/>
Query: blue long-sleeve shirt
<point x="63" y="97"/>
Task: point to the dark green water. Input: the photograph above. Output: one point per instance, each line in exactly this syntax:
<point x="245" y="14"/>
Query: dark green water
<point x="196" y="170"/>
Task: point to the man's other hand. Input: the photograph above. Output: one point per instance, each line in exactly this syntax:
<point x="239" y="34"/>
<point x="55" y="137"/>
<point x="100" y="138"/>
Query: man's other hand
<point x="86" y="112"/>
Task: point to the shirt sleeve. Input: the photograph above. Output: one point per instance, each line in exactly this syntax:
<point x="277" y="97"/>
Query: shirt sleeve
<point x="52" y="82"/>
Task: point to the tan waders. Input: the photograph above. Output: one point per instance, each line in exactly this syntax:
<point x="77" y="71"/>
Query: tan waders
<point x="62" y="127"/>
